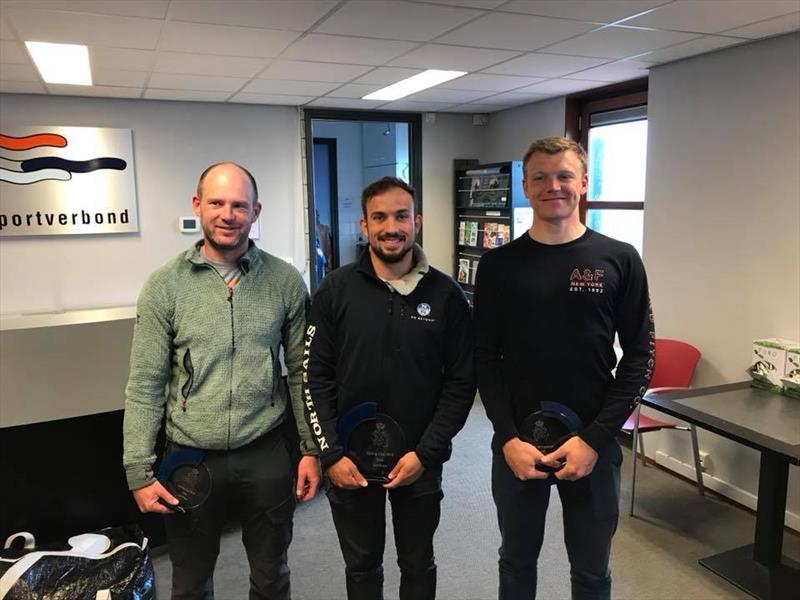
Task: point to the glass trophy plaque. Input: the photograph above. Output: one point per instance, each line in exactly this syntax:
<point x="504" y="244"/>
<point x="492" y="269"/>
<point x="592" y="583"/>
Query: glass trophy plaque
<point x="186" y="477"/>
<point x="548" y="428"/>
<point x="372" y="440"/>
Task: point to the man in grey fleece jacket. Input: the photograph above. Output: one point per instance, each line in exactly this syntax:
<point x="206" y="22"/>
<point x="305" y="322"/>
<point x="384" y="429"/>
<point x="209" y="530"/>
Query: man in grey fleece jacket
<point x="209" y="328"/>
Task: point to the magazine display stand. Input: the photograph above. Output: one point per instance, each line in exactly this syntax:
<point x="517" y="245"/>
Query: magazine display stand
<point x="491" y="210"/>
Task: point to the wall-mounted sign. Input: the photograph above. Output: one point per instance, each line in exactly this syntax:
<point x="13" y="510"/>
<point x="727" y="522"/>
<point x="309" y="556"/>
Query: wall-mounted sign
<point x="67" y="181"/>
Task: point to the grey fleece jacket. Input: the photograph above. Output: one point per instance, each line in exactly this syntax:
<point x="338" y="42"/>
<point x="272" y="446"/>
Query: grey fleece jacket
<point x="209" y="358"/>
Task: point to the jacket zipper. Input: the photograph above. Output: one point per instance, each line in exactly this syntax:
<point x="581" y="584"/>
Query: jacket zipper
<point x="233" y="350"/>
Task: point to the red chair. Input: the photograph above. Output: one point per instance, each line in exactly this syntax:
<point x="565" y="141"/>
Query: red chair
<point x="675" y="364"/>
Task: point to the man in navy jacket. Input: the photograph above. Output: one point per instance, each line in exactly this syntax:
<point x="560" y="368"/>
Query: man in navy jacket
<point x="391" y="330"/>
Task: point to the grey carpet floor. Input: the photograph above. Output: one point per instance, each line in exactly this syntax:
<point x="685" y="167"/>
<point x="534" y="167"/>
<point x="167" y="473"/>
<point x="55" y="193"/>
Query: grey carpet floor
<point x="654" y="554"/>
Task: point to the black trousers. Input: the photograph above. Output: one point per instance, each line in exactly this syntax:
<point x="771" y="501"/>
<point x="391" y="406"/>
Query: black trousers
<point x="360" y="520"/>
<point x="255" y="485"/>
<point x="590" y="512"/>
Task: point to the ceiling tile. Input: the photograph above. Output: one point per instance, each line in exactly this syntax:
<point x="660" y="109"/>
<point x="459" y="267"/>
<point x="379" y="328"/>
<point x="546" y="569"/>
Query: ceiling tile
<point x="312" y="71"/>
<point x="95" y="91"/>
<point x="328" y="102"/>
<point x="457" y="58"/>
<point x="451" y="96"/>
<point x="6" y="32"/>
<point x="513" y="99"/>
<point x="11" y="72"/>
<point x="539" y="64"/>
<point x="224" y="39"/>
<point x="489" y="83"/>
<point x="208" y="64"/>
<point x="246" y="98"/>
<point x="690" y="48"/>
<point x="347" y="50"/>
<point x="482" y="4"/>
<point x="387" y="75"/>
<point x="395" y="20"/>
<point x="561" y="86"/>
<point x="118" y="78"/>
<point x="775" y="26"/>
<point x="411" y="106"/>
<point x="515" y="32"/>
<point x="622" y="70"/>
<point x="619" y="42"/>
<point x="175" y="81"/>
<point x="14" y="53"/>
<point x="289" y="87"/>
<point x="192" y="96"/>
<point x="84" y="28"/>
<point x="149" y="9"/>
<point x="297" y="15"/>
<point x="22" y="87"/>
<point x="598" y="11"/>
<point x="121" y="58"/>
<point x="712" y="17"/>
<point x="354" y="90"/>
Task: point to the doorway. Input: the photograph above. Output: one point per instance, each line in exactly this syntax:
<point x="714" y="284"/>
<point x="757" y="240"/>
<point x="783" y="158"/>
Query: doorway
<point x="349" y="150"/>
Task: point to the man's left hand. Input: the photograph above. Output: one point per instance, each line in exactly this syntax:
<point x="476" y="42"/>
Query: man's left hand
<point x="307" y="478"/>
<point x="407" y="470"/>
<point x="580" y="459"/>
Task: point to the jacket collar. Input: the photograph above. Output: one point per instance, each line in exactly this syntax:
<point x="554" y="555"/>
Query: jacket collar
<point x="408" y="282"/>
<point x="248" y="259"/>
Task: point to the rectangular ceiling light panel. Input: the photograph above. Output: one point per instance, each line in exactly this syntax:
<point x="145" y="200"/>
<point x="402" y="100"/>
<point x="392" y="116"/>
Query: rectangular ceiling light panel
<point x="61" y="63"/>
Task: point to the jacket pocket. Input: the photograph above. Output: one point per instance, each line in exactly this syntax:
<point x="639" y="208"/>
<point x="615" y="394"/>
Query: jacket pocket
<point x="186" y="388"/>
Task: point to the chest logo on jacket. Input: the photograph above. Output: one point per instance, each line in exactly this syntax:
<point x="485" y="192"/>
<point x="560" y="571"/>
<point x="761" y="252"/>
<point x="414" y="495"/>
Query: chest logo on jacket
<point x="586" y="280"/>
<point x="423" y="310"/>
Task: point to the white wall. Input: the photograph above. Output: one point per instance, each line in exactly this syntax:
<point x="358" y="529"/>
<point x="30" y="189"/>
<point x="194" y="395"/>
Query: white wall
<point x="511" y="131"/>
<point x="722" y="224"/>
<point x="172" y="143"/>
<point x="448" y="137"/>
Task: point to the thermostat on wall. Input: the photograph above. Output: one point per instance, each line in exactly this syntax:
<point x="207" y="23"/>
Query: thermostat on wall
<point x="188" y="224"/>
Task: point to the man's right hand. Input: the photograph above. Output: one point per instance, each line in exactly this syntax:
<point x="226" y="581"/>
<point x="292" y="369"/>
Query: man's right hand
<point x="521" y="458"/>
<point x="148" y="496"/>
<point x="344" y="474"/>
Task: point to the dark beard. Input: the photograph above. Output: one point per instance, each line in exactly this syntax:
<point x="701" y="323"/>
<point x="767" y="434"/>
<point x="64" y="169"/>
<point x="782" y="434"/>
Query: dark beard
<point x="391" y="258"/>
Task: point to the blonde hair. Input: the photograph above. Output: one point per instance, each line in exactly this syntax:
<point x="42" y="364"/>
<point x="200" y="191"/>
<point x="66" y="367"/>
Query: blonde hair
<point x="555" y="145"/>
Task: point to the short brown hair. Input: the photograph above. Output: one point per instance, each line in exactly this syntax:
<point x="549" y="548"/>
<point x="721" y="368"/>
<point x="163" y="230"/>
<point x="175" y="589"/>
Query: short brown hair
<point x="248" y="174"/>
<point x="381" y="186"/>
<point x="554" y="145"/>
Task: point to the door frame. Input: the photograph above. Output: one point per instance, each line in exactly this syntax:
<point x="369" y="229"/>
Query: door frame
<point x="333" y="194"/>
<point x="414" y="121"/>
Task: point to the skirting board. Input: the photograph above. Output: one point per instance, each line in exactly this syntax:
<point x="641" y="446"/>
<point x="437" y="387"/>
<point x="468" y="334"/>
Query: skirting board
<point x="737" y="494"/>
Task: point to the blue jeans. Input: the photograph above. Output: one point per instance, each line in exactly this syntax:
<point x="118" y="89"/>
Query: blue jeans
<point x="590" y="510"/>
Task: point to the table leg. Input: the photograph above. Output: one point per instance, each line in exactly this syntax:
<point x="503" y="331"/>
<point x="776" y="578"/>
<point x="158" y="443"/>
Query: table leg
<point x="772" y="486"/>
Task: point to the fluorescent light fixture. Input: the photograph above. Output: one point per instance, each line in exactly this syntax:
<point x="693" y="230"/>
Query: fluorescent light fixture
<point x="61" y="63"/>
<point x="412" y="85"/>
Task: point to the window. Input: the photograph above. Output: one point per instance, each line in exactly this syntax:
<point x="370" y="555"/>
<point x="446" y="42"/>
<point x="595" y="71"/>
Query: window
<point x="613" y="129"/>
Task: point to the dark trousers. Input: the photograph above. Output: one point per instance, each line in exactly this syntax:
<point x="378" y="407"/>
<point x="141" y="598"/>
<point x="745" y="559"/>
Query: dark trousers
<point x="255" y="485"/>
<point x="360" y="520"/>
<point x="590" y="511"/>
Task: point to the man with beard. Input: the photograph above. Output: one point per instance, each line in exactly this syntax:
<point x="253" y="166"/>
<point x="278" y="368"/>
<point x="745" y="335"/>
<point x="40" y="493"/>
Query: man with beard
<point x="209" y="328"/>
<point x="390" y="330"/>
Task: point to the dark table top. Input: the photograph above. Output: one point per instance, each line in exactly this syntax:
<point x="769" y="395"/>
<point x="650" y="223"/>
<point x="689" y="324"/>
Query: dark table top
<point x="757" y="418"/>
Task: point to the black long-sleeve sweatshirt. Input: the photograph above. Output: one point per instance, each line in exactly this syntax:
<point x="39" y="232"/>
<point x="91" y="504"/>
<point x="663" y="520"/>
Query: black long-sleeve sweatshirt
<point x="412" y="355"/>
<point x="545" y="319"/>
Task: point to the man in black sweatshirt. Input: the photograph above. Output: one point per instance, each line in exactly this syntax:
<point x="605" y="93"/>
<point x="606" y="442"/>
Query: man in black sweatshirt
<point x="388" y="330"/>
<point x="547" y="308"/>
